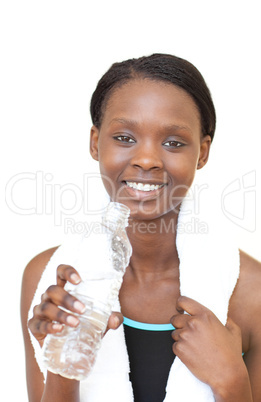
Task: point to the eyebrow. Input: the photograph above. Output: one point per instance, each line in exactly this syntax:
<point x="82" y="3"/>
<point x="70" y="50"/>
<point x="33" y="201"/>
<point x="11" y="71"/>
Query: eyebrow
<point x="133" y="123"/>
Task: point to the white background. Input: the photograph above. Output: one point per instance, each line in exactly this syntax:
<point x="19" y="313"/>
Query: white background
<point x="52" y="54"/>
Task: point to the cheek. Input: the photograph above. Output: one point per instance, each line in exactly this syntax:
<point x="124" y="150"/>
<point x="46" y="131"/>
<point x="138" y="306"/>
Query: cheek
<point x="107" y="175"/>
<point x="182" y="171"/>
<point x="111" y="165"/>
<point x="112" y="159"/>
<point x="182" y="168"/>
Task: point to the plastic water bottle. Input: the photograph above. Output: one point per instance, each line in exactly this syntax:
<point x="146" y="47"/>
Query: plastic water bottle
<point x="102" y="257"/>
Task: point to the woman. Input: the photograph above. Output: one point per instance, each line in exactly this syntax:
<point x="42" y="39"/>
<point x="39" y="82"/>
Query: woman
<point x="153" y="123"/>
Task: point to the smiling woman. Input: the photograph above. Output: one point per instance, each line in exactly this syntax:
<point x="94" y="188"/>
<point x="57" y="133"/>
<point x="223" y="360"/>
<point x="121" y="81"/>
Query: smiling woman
<point x="150" y="135"/>
<point x="153" y="124"/>
<point x="158" y="105"/>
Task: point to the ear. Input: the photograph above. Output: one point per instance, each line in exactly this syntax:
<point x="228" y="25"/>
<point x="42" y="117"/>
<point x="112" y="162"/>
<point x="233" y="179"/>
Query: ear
<point x="94" y="143"/>
<point x="204" y="151"/>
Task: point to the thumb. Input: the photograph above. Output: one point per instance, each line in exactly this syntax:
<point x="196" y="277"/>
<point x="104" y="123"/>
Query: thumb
<point x="115" y="320"/>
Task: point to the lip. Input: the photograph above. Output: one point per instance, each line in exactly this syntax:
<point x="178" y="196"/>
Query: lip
<point x="143" y="181"/>
<point x="140" y="194"/>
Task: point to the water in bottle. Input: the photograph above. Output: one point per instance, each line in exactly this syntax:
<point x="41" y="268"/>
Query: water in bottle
<point x="101" y="260"/>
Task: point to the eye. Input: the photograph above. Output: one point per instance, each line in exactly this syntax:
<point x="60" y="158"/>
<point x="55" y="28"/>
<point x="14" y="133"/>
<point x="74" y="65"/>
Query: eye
<point x="173" y="144"/>
<point x="124" y="138"/>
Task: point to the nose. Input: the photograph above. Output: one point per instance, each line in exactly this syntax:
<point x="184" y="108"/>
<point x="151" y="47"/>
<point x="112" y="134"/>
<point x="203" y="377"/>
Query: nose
<point x="147" y="156"/>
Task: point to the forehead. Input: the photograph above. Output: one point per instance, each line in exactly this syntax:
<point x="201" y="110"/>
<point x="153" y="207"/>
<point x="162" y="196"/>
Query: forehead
<point x="148" y="100"/>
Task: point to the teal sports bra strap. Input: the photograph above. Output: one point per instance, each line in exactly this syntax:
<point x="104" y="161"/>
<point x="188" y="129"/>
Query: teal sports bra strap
<point x="147" y="327"/>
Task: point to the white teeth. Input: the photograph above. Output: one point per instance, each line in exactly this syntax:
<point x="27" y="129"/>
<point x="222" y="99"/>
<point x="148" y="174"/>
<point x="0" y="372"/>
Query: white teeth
<point x="143" y="187"/>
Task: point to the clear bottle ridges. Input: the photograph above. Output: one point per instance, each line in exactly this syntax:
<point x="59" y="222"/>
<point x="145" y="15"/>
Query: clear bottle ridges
<point x="72" y="353"/>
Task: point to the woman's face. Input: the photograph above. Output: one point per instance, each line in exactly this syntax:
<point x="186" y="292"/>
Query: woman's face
<point x="149" y="146"/>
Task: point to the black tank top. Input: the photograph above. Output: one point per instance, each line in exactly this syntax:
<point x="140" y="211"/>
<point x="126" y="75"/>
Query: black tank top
<point x="150" y="353"/>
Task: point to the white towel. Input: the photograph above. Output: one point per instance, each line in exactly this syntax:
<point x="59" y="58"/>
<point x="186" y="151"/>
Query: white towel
<point x="209" y="269"/>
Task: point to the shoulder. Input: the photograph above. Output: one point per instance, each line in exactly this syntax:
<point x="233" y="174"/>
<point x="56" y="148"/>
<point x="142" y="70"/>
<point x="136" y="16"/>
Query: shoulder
<point x="248" y="285"/>
<point x="245" y="304"/>
<point x="249" y="282"/>
<point x="31" y="277"/>
<point x="247" y="292"/>
<point x="249" y="265"/>
<point x="35" y="268"/>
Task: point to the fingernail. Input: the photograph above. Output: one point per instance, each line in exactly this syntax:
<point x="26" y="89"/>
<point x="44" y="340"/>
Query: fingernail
<point x="75" y="278"/>
<point x="71" y="320"/>
<point x="116" y="321"/>
<point x="80" y="307"/>
<point x="57" y="327"/>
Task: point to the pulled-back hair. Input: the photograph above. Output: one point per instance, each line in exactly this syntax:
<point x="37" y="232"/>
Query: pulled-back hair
<point x="157" y="67"/>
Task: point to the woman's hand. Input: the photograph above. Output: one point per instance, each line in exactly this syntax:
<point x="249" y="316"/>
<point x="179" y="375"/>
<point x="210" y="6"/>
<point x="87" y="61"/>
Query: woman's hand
<point x="48" y="318"/>
<point x="210" y="350"/>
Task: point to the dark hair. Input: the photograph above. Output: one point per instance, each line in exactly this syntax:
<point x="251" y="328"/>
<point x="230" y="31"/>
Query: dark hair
<point x="158" y="67"/>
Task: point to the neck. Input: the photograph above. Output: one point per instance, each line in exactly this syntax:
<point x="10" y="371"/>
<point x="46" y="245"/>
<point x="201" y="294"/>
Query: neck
<point x="154" y="245"/>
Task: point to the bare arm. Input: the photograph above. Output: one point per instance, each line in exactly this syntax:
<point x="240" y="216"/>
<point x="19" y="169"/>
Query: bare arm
<point x="213" y="351"/>
<point x="60" y="389"/>
<point x="31" y="277"/>
<point x="56" y="387"/>
<point x="245" y="310"/>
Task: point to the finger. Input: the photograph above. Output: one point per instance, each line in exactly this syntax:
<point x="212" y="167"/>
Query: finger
<point x="176" y="335"/>
<point x="178" y="348"/>
<point x="115" y="320"/>
<point x="58" y="296"/>
<point x="41" y="328"/>
<point x="191" y="306"/>
<point x="67" y="273"/>
<point x="49" y="312"/>
<point x="180" y="320"/>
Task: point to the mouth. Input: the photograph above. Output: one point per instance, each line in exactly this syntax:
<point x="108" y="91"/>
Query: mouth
<point x="143" y="191"/>
<point x="144" y="186"/>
